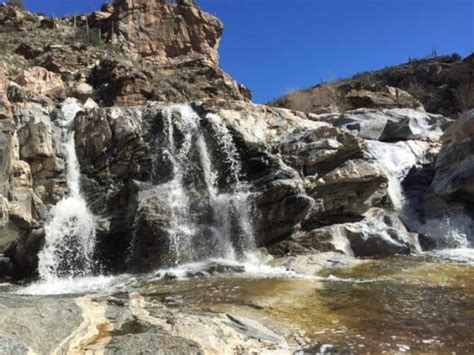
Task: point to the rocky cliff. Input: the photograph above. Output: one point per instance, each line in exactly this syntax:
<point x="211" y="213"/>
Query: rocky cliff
<point x="213" y="177"/>
<point x="125" y="54"/>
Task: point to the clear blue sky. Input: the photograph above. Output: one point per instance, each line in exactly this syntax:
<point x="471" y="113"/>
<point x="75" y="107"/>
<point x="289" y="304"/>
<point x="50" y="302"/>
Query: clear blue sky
<point x="275" y="46"/>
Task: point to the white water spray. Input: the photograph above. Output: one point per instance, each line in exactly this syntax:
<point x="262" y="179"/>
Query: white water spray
<point x="229" y="233"/>
<point x="449" y="232"/>
<point x="70" y="233"/>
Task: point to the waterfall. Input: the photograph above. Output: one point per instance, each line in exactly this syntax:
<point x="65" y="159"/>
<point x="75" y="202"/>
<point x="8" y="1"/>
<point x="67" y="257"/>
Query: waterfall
<point x="222" y="230"/>
<point x="70" y="232"/>
<point x="450" y="231"/>
<point x="236" y="202"/>
<point x="396" y="159"/>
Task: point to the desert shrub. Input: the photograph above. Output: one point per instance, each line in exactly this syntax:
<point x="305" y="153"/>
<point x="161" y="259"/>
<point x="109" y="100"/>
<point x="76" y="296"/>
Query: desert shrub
<point x="464" y="94"/>
<point x="91" y="36"/>
<point x="17" y="3"/>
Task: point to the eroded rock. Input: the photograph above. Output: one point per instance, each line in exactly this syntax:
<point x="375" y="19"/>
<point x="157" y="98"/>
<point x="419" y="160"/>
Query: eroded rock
<point x="42" y="82"/>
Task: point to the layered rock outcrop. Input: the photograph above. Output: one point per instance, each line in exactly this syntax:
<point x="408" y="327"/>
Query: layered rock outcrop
<point x="159" y="30"/>
<point x="128" y="53"/>
<point x="303" y="174"/>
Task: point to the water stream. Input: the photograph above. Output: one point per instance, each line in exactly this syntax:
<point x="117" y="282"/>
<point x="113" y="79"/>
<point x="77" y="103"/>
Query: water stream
<point x="227" y="233"/>
<point x="70" y="233"/>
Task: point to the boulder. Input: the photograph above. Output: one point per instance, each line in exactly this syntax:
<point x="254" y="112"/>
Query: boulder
<point x="82" y="91"/>
<point x="20" y="209"/>
<point x="454" y="176"/>
<point x="29" y="50"/>
<point x="121" y="84"/>
<point x="151" y="246"/>
<point x="380" y="234"/>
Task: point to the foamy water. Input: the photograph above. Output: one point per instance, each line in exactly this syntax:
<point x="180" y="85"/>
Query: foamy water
<point x="462" y="255"/>
<point x="78" y="285"/>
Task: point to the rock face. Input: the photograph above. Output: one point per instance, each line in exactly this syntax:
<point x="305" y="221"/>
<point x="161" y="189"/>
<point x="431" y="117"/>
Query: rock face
<point x="161" y="31"/>
<point x="134" y="51"/>
<point x="217" y="177"/>
<point x="454" y="177"/>
<point x="303" y="174"/>
<point x="43" y="83"/>
<point x="392" y="125"/>
<point x="385" y="97"/>
<point x="19" y="204"/>
<point x="178" y="38"/>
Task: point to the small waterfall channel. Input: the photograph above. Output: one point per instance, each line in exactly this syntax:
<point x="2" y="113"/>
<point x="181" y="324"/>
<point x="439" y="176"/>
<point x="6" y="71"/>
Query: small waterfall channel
<point x="449" y="233"/>
<point x="70" y="234"/>
<point x="208" y="208"/>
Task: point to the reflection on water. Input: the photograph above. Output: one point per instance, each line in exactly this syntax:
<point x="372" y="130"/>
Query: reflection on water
<point x="417" y="304"/>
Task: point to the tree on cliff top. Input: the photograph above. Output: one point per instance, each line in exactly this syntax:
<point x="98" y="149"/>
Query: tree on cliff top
<point x="17" y="3"/>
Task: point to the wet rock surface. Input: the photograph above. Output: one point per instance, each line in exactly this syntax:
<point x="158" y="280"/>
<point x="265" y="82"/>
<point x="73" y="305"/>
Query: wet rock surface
<point x="302" y="173"/>
<point x="392" y="125"/>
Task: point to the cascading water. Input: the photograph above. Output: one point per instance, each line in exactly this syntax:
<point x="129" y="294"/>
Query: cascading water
<point x="235" y="202"/>
<point x="450" y="233"/>
<point x="195" y="235"/>
<point x="70" y="233"/>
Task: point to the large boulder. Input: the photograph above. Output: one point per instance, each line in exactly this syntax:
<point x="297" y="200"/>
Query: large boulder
<point x="454" y="177"/>
<point x="121" y="84"/>
<point x="380" y="233"/>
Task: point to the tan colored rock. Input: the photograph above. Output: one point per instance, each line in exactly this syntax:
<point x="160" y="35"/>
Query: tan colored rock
<point x="21" y="174"/>
<point x="35" y="133"/>
<point x="4" y="214"/>
<point x="385" y="97"/>
<point x="21" y="202"/>
<point x="5" y="108"/>
<point x="160" y="31"/>
<point x="20" y="208"/>
<point x="43" y="82"/>
<point x="90" y="104"/>
<point x="82" y="90"/>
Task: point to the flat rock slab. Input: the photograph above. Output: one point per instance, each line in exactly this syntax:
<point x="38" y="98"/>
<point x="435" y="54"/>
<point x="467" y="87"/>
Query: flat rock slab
<point x="36" y="324"/>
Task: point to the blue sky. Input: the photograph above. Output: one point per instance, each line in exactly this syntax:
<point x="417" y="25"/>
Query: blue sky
<point x="275" y="46"/>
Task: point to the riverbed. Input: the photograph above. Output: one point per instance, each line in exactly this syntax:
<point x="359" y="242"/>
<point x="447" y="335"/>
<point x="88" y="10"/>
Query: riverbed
<point x="411" y="304"/>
